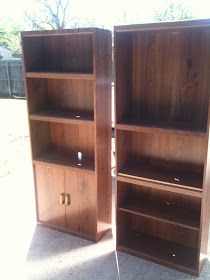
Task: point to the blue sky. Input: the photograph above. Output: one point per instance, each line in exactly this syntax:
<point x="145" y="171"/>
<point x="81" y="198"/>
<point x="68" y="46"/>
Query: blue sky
<point x="107" y="13"/>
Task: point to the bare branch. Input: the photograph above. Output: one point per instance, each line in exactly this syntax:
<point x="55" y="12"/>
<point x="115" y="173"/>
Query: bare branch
<point x="64" y="9"/>
<point x="53" y="13"/>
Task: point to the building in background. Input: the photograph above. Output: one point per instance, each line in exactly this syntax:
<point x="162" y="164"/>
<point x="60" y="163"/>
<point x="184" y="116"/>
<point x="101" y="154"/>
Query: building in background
<point x="5" y="53"/>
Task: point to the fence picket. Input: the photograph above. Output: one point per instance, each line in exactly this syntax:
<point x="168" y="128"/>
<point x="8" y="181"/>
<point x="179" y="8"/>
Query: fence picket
<point x="11" y="78"/>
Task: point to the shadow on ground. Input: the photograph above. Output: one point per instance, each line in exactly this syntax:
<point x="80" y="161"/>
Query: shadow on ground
<point x="54" y="255"/>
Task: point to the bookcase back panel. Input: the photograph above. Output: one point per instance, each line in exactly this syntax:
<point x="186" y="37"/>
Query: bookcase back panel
<point x="73" y="139"/>
<point x="165" y="76"/>
<point x="66" y="95"/>
<point x="123" y="74"/>
<point x="169" y="200"/>
<point x="123" y="225"/>
<point x="179" y="152"/>
<point x="165" y="231"/>
<point x="63" y="139"/>
<point x="133" y="226"/>
<point x="59" y="53"/>
<point x="40" y="137"/>
<point x="141" y="237"/>
<point x="37" y="95"/>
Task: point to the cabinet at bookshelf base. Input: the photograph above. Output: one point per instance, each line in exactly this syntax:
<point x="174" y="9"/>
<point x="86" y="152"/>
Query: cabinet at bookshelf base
<point x="81" y="213"/>
<point x="66" y="200"/>
<point x="50" y="185"/>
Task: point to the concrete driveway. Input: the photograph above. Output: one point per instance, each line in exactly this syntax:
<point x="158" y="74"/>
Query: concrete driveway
<point x="32" y="252"/>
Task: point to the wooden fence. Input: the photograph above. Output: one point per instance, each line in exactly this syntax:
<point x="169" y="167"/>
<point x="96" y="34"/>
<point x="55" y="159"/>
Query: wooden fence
<point x="11" y="79"/>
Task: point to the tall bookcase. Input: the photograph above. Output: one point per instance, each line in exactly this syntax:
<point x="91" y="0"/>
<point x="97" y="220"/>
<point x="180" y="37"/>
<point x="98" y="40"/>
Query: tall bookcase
<point x="68" y="85"/>
<point x="162" y="91"/>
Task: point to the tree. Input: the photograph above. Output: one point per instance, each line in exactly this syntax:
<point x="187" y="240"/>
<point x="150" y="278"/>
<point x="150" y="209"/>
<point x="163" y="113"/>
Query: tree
<point x="10" y="38"/>
<point x="3" y="38"/>
<point x="50" y="14"/>
<point x="173" y="10"/>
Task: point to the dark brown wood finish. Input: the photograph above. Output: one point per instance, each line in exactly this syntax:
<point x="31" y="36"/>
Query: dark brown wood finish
<point x="174" y="26"/>
<point x="66" y="96"/>
<point x="102" y="70"/>
<point x="70" y="53"/>
<point x="63" y="117"/>
<point x="162" y="93"/>
<point x="59" y="75"/>
<point x="194" y="192"/>
<point x="68" y="83"/>
<point x="50" y="185"/>
<point x="160" y="127"/>
<point x="160" y="251"/>
<point x="81" y="211"/>
<point x="162" y="205"/>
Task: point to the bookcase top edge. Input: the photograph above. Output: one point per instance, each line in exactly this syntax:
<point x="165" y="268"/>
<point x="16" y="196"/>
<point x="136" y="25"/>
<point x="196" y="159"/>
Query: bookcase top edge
<point x="57" y="32"/>
<point x="198" y="23"/>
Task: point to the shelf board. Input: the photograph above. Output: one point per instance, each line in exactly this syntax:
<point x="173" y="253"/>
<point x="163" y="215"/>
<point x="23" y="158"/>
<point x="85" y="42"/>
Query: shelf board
<point x="64" y="161"/>
<point x="63" y="117"/>
<point x="60" y="75"/>
<point x="195" y="192"/>
<point x="162" y="211"/>
<point x="161" y="251"/>
<point x="165" y="175"/>
<point x="160" y="127"/>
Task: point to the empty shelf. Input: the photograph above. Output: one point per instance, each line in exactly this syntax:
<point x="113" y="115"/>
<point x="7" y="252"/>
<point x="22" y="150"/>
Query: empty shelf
<point x="63" y="117"/>
<point x="160" y="127"/>
<point x="147" y="171"/>
<point x="162" y="211"/>
<point x="62" y="160"/>
<point x="160" y="251"/>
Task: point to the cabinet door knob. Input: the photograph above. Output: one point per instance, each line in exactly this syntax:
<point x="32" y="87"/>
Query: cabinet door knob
<point x="62" y="198"/>
<point x="67" y="199"/>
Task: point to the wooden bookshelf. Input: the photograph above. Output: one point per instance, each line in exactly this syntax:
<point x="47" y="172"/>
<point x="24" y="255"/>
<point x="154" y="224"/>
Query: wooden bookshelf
<point x="70" y="119"/>
<point x="162" y="117"/>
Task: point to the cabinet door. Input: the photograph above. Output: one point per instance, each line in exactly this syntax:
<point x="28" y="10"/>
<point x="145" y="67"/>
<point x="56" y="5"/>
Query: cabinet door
<point x="49" y="187"/>
<point x="81" y="212"/>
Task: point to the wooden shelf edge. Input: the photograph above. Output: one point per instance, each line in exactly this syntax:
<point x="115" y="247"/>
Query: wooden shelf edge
<point x="157" y="260"/>
<point x="155" y="129"/>
<point x="158" y="218"/>
<point x="65" y="230"/>
<point x="161" y="186"/>
<point x="178" y="25"/>
<point x="86" y="170"/>
<point x="60" y="75"/>
<point x="67" y="32"/>
<point x="65" y="120"/>
<point x="160" y="182"/>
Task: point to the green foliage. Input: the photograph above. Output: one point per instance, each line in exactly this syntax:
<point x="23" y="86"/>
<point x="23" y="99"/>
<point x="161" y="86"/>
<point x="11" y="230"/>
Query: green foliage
<point x="3" y="38"/>
<point x="10" y="38"/>
<point x="172" y="11"/>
